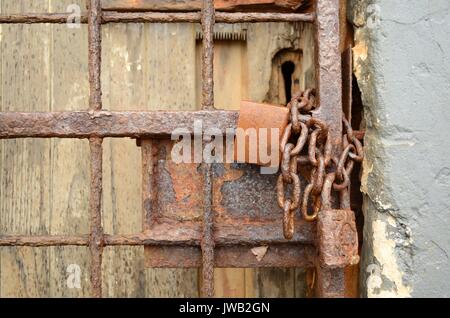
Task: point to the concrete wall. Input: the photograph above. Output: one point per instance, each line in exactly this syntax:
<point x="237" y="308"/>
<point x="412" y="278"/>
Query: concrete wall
<point x="402" y="63"/>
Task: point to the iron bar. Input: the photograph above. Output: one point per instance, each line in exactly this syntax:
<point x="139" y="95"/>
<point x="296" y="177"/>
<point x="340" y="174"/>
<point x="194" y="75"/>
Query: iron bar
<point x="96" y="150"/>
<point x="95" y="207"/>
<point x="279" y="255"/>
<point x="328" y="69"/>
<point x="148" y="183"/>
<point x="35" y="18"/>
<point x="157" y="17"/>
<point x="170" y="235"/>
<point x="196" y="5"/>
<point x="194" y="17"/>
<point x="222" y="237"/>
<point x="282" y="254"/>
<point x="330" y="281"/>
<point x="84" y="124"/>
<point x="207" y="243"/>
<point x="40" y="241"/>
<point x="95" y="54"/>
<point x="208" y="55"/>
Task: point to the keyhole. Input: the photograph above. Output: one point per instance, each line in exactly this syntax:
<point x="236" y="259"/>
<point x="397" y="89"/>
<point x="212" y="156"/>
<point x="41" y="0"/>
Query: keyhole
<point x="287" y="69"/>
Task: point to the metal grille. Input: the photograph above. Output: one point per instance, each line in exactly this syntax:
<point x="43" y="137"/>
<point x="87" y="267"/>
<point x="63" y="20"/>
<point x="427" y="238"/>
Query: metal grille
<point x="95" y="124"/>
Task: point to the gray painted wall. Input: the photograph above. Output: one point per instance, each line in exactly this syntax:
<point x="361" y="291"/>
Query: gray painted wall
<point x="402" y="62"/>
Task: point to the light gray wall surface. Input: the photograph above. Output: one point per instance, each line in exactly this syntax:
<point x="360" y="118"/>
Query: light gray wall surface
<point x="402" y="62"/>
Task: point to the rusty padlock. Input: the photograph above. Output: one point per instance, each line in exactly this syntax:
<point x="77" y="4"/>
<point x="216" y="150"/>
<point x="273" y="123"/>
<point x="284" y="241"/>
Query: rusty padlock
<point x="336" y="230"/>
<point x="259" y="132"/>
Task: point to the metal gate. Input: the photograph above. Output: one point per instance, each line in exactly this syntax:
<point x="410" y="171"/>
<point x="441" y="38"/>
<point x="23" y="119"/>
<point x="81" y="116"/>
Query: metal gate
<point x="208" y="241"/>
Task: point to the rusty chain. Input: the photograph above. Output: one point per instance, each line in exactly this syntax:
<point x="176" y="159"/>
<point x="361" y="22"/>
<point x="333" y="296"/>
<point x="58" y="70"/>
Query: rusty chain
<point x="304" y="130"/>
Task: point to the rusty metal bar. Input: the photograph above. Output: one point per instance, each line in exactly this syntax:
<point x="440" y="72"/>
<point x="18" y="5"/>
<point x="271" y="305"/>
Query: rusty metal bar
<point x="287" y="254"/>
<point x="170" y="234"/>
<point x="148" y="183"/>
<point x="191" y="235"/>
<point x="40" y="241"/>
<point x="328" y="68"/>
<point x="195" y="17"/>
<point x="347" y="87"/>
<point x="33" y="18"/>
<point x="196" y="5"/>
<point x="330" y="281"/>
<point x="96" y="231"/>
<point x="96" y="151"/>
<point x="207" y="243"/>
<point x="158" y="17"/>
<point x="279" y="255"/>
<point x="95" y="54"/>
<point x="208" y="55"/>
<point x="84" y="124"/>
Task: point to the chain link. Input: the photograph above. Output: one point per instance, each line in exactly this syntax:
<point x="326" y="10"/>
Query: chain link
<point x="327" y="171"/>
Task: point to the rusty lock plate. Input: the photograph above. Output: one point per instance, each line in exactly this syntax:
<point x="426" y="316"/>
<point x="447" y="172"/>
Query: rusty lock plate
<point x="246" y="215"/>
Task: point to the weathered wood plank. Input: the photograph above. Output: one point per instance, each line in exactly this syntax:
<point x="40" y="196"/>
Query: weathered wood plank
<point x="25" y="204"/>
<point x="170" y="82"/>
<point x="194" y="5"/>
<point x="274" y="282"/>
<point x="69" y="184"/>
<point x="123" y="86"/>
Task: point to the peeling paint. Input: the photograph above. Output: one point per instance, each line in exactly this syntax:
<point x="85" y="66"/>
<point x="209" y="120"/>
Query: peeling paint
<point x="123" y="53"/>
<point x="384" y="253"/>
<point x="367" y="168"/>
<point x="360" y="52"/>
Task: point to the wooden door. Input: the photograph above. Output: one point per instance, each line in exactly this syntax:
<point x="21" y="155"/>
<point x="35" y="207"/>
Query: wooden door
<point x="44" y="183"/>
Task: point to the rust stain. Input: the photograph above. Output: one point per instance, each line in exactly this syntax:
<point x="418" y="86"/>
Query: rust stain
<point x="228" y="175"/>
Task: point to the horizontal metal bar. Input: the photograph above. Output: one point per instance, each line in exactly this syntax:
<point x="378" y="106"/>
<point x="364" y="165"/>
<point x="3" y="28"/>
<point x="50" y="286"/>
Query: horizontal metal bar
<point x="233" y="233"/>
<point x="196" y="5"/>
<point x="157" y="17"/>
<point x="85" y="124"/>
<point x="32" y="18"/>
<point x="185" y="256"/>
<point x="41" y="241"/>
<point x="172" y="234"/>
<point x="276" y="255"/>
<point x="195" y="17"/>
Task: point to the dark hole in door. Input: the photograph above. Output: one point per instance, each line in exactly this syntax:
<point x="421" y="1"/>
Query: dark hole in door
<point x="287" y="69"/>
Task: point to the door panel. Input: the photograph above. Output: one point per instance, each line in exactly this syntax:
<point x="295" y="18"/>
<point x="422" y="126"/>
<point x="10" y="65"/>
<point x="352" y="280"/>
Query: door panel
<point x="45" y="182"/>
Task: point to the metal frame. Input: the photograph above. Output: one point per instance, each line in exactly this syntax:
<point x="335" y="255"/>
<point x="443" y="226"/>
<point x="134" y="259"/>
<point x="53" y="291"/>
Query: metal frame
<point x="96" y="124"/>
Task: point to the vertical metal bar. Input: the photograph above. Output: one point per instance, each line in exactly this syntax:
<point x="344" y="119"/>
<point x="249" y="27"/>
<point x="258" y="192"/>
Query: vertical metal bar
<point x="330" y="282"/>
<point x="147" y="182"/>
<point x="96" y="240"/>
<point x="208" y="14"/>
<point x="328" y="68"/>
<point x="347" y="85"/>
<point x="207" y="244"/>
<point x="95" y="52"/>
